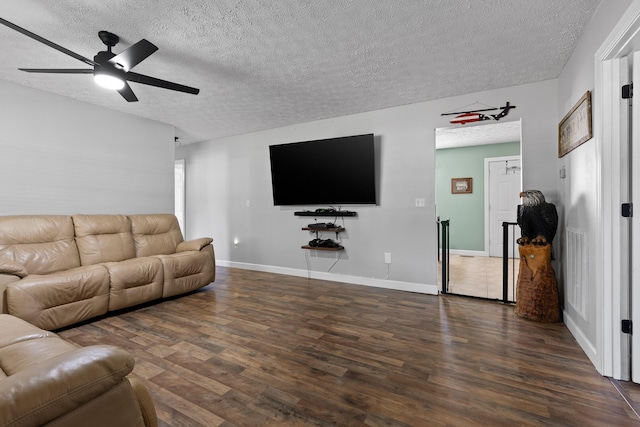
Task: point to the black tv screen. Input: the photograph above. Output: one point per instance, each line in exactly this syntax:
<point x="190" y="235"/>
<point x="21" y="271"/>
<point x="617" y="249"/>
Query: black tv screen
<point x="336" y="171"/>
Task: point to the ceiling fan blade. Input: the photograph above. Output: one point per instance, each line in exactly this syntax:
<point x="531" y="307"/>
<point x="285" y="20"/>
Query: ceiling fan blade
<point x="57" y="70"/>
<point x="127" y="93"/>
<point x="47" y="42"/>
<point x="134" y="55"/>
<point x="152" y="81"/>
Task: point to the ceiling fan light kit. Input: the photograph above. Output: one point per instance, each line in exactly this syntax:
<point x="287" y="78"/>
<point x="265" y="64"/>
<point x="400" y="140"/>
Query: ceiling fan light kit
<point x="109" y="70"/>
<point x="108" y="81"/>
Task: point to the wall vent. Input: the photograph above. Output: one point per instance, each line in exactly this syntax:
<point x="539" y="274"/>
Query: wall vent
<point x="577" y="270"/>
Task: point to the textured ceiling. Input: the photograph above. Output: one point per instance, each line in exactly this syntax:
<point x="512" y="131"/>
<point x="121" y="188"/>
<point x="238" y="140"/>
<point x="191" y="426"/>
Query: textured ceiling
<point x="463" y="136"/>
<point x="264" y="64"/>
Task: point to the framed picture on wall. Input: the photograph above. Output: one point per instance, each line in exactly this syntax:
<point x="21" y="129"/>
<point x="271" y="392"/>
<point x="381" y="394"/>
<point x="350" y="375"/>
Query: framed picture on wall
<point x="575" y="128"/>
<point x="461" y="185"/>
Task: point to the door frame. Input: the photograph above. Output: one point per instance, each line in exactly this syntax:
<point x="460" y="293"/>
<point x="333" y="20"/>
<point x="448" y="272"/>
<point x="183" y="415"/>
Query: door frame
<point x="180" y="174"/>
<point x="487" y="160"/>
<point x="609" y="353"/>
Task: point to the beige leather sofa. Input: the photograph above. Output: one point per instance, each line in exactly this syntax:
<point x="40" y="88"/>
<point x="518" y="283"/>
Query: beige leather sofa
<point x="59" y="270"/>
<point x="46" y="381"/>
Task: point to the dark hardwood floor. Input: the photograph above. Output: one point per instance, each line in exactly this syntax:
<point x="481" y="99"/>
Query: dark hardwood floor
<point x="264" y="349"/>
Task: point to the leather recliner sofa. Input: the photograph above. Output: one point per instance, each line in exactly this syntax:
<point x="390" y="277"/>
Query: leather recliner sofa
<point x="47" y="381"/>
<point x="58" y="270"/>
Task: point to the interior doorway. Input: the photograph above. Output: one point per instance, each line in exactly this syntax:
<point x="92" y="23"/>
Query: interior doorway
<point x="466" y="152"/>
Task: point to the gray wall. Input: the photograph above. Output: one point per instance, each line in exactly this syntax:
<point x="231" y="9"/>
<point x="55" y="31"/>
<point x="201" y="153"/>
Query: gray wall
<point x="222" y="175"/>
<point x="60" y="156"/>
<point x="579" y="191"/>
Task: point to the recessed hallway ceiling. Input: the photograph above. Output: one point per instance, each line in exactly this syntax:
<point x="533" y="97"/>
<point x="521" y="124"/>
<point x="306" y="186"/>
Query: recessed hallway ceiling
<point x="261" y="64"/>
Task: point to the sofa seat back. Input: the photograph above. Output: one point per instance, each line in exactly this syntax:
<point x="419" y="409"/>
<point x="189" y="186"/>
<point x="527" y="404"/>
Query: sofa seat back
<point x="157" y="234"/>
<point x="52" y="301"/>
<point x="42" y="243"/>
<point x="107" y="240"/>
<point x="103" y="238"/>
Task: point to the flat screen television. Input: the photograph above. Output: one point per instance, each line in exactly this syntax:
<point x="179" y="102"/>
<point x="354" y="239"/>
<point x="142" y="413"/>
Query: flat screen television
<point x="336" y="171"/>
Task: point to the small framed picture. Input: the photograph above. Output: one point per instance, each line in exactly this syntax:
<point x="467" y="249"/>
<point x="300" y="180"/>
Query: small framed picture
<point x="461" y="185"/>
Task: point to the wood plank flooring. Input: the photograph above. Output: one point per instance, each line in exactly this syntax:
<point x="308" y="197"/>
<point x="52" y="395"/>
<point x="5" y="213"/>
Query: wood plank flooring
<point x="258" y="349"/>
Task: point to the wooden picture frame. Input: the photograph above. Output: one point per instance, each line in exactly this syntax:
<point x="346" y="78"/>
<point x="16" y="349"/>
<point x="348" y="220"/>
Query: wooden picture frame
<point x="461" y="185"/>
<point x="575" y="128"/>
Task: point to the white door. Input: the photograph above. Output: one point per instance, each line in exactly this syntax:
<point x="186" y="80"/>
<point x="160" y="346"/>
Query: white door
<point x="504" y="198"/>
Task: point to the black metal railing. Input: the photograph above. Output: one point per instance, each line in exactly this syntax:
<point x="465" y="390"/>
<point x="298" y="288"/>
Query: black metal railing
<point x="444" y="235"/>
<point x="509" y="252"/>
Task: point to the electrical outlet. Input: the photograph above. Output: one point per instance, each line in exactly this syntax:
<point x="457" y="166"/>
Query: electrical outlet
<point x="387" y="257"/>
<point x="420" y="202"/>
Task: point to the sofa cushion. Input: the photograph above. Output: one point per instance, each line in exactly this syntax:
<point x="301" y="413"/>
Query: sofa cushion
<point x="157" y="234"/>
<point x="13" y="268"/>
<point x="30" y="353"/>
<point x="134" y="281"/>
<point x="187" y="271"/>
<point x="103" y="238"/>
<point x="59" y="299"/>
<point x="16" y="330"/>
<point x="42" y="243"/>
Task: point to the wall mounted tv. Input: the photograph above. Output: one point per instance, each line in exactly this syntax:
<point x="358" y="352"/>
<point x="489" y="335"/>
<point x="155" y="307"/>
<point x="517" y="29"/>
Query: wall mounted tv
<point x="336" y="171"/>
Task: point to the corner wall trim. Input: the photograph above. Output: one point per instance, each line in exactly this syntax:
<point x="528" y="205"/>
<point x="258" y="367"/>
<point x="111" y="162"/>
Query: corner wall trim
<point x="588" y="348"/>
<point x="422" y="288"/>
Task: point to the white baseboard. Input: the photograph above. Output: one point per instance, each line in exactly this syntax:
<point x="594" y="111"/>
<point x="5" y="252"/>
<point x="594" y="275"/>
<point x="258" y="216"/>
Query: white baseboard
<point x="422" y="288"/>
<point x="588" y="348"/>
<point x="464" y="252"/>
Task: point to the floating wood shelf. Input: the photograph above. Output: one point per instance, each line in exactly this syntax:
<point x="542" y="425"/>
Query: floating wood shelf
<point x="318" y="231"/>
<point x="333" y="230"/>
<point x="335" y="213"/>
<point x="320" y="248"/>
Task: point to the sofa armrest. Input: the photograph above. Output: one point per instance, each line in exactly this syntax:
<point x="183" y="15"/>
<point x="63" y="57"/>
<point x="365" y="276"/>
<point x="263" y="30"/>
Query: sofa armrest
<point x="5" y="280"/>
<point x="194" y="245"/>
<point x="145" y="402"/>
<point x="43" y="392"/>
<point x="12" y="267"/>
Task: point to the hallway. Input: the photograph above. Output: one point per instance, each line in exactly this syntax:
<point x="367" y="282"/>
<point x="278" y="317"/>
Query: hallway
<point x="479" y="276"/>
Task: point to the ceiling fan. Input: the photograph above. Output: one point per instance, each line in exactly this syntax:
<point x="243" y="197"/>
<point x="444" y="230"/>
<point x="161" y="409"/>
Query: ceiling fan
<point x="109" y="70"/>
